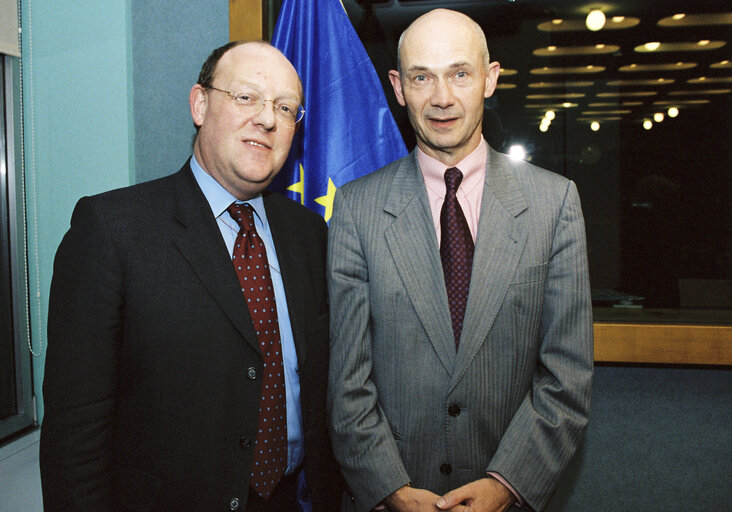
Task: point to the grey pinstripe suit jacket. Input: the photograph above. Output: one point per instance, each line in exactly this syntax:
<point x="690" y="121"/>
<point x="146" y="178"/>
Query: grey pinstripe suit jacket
<point x="522" y="374"/>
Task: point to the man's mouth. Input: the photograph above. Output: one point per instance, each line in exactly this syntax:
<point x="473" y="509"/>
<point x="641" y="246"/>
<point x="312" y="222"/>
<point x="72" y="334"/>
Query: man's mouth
<point x="442" y="122"/>
<point x="256" y="144"/>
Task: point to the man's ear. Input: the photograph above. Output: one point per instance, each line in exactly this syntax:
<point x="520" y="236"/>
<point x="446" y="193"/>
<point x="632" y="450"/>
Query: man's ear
<point x="491" y="79"/>
<point x="199" y="102"/>
<point x="396" y="84"/>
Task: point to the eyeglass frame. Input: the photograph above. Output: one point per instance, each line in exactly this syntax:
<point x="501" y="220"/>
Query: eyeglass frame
<point x="234" y="96"/>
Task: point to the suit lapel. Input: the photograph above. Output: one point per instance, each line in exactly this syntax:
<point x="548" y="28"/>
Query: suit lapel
<point x="413" y="245"/>
<point x="199" y="241"/>
<point x="499" y="244"/>
<point x="283" y="234"/>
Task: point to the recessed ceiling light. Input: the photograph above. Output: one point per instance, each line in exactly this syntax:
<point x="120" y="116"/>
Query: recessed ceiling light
<point x="703" y="42"/>
<point x="678" y="16"/>
<point x="557" y="22"/>
<point x="652" y="46"/>
<point x="595" y="20"/>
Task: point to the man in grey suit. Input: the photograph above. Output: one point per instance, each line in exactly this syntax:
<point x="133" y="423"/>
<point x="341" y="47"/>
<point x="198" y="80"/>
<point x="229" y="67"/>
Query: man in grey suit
<point x="461" y="329"/>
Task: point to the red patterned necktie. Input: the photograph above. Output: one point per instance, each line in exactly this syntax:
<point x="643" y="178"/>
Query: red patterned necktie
<point x="250" y="263"/>
<point x="456" y="251"/>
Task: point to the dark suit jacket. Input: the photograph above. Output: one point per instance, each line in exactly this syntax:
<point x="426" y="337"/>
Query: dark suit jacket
<point x="153" y="368"/>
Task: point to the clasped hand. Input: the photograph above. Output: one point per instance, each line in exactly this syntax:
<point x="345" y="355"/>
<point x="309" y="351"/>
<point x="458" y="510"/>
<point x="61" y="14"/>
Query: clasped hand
<point x="483" y="495"/>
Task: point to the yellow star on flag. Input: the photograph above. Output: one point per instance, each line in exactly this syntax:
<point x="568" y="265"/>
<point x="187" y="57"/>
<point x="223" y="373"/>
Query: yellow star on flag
<point x="299" y="187"/>
<point x="327" y="200"/>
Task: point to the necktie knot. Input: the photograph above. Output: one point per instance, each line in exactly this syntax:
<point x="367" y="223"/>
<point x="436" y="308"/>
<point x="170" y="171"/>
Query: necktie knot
<point x="453" y="178"/>
<point x="243" y="215"/>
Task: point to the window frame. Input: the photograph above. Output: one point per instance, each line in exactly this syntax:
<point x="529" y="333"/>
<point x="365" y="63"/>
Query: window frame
<point x="13" y="217"/>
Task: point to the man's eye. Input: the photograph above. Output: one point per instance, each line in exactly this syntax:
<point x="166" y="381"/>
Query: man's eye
<point x="246" y="99"/>
<point x="420" y="78"/>
<point x="461" y="74"/>
<point x="286" y="108"/>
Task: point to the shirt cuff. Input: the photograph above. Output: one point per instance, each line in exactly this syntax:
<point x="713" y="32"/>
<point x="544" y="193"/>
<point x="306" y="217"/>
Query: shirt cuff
<point x="519" y="500"/>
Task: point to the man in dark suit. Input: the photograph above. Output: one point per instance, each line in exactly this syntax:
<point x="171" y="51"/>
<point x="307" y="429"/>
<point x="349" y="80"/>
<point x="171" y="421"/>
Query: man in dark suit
<point x="461" y="329"/>
<point x="167" y="385"/>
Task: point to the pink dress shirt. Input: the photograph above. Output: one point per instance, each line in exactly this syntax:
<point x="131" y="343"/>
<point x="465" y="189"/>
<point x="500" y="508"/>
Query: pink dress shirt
<point x="470" y="192"/>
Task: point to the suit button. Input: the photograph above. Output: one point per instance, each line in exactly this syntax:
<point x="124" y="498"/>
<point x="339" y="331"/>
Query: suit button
<point x="252" y="373"/>
<point x="453" y="410"/>
<point x="245" y="442"/>
<point x="446" y="469"/>
<point x="234" y="504"/>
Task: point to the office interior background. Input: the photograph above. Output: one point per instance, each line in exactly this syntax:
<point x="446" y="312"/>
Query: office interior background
<point x="636" y="113"/>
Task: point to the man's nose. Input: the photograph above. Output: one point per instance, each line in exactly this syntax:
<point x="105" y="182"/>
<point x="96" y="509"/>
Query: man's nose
<point x="442" y="94"/>
<point x="266" y="116"/>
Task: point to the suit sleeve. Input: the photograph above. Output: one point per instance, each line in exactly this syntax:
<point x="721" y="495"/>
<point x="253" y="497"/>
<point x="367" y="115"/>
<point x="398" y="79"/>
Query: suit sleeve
<point x="80" y="381"/>
<point x="362" y="439"/>
<point x="546" y="429"/>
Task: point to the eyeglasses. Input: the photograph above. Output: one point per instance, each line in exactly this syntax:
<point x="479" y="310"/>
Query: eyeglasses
<point x="250" y="102"/>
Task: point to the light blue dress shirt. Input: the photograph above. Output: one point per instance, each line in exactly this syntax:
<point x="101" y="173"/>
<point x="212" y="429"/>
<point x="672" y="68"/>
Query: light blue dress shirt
<point x="219" y="199"/>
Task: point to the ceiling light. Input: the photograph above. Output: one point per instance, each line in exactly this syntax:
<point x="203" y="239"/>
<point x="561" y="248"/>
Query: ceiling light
<point x="647" y="124"/>
<point x="618" y="19"/>
<point x="599" y="46"/>
<point x="557" y="22"/>
<point x="658" y="117"/>
<point x="550" y="114"/>
<point x="566" y="104"/>
<point x="595" y="20"/>
<point x="673" y="112"/>
<point x="678" y="16"/>
<point x="594" y="126"/>
<point x="551" y="48"/>
<point x="543" y="128"/>
<point x="703" y="42"/>
<point x="655" y="45"/>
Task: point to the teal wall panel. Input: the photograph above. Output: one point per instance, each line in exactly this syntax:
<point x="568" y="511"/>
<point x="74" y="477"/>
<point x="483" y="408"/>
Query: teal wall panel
<point x="170" y="42"/>
<point x="76" y="96"/>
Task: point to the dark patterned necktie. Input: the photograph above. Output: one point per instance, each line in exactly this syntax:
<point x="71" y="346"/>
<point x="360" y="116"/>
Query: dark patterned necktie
<point x="250" y="263"/>
<point x="456" y="251"/>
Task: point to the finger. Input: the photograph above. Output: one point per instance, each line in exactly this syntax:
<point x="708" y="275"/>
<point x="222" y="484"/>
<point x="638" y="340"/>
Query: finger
<point x="452" y="498"/>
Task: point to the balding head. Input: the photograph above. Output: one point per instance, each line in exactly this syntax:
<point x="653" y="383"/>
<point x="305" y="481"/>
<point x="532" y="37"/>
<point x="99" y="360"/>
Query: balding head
<point x="435" y="22"/>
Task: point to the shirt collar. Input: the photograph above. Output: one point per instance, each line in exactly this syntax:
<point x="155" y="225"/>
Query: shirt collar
<point x="472" y="166"/>
<point x="219" y="198"/>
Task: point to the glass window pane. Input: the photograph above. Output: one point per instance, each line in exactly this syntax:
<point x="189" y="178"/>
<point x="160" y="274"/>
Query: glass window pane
<point x="641" y="128"/>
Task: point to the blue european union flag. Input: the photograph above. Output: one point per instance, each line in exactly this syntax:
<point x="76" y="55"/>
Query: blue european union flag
<point x="348" y="129"/>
